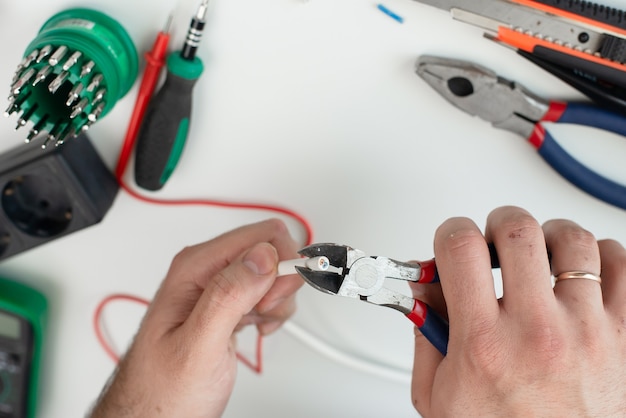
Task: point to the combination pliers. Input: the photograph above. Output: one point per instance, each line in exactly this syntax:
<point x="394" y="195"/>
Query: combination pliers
<point x="508" y="105"/>
<point x="580" y="42"/>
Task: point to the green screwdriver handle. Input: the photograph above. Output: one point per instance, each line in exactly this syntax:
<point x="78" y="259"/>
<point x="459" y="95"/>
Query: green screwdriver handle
<point x="165" y="127"/>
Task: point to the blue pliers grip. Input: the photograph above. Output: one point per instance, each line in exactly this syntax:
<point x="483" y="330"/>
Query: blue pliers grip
<point x="507" y="105"/>
<point x="570" y="168"/>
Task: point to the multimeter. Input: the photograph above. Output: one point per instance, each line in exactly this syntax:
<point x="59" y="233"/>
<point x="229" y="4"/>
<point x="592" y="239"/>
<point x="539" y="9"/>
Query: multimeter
<point x="23" y="313"/>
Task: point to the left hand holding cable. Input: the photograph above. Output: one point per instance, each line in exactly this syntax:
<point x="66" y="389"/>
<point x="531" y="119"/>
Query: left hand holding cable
<point x="183" y="360"/>
<point x="539" y="350"/>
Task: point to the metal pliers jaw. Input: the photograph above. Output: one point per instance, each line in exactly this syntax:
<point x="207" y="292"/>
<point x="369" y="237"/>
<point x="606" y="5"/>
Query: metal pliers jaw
<point x="481" y="92"/>
<point x="359" y="276"/>
<point x="352" y="273"/>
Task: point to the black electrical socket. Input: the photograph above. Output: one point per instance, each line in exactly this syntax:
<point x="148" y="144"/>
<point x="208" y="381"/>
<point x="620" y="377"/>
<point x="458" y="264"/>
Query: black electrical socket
<point x="50" y="193"/>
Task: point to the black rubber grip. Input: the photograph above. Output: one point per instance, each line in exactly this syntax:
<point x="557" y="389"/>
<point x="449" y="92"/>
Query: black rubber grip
<point x="614" y="48"/>
<point x="605" y="85"/>
<point x="160" y="133"/>
<point x="598" y="12"/>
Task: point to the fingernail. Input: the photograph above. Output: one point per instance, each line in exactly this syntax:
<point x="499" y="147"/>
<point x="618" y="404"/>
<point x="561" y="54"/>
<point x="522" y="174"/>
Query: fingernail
<point x="261" y="259"/>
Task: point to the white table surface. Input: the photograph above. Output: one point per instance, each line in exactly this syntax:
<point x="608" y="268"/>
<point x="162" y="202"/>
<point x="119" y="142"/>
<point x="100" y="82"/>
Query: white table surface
<point x="313" y="106"/>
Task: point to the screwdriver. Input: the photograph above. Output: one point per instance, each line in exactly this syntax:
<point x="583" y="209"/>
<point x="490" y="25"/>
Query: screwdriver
<point x="165" y="127"/>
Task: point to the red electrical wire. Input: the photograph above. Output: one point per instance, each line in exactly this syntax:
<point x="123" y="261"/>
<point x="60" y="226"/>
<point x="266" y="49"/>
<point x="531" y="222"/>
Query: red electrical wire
<point x="98" y="314"/>
<point x="97" y="319"/>
<point x="155" y="61"/>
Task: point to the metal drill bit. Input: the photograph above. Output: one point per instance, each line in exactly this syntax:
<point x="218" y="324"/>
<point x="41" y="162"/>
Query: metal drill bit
<point x="95" y="82"/>
<point x="21" y="122"/>
<point x="27" y="60"/>
<point x="87" y="68"/>
<point x="58" y="82"/>
<point x="48" y="140"/>
<point x="45" y="51"/>
<point x="42" y="74"/>
<point x="58" y="55"/>
<point x="74" y="93"/>
<point x="72" y="60"/>
<point x="22" y="81"/>
<point x="97" y="98"/>
<point x="53" y="134"/>
<point x="31" y="135"/>
<point x="69" y="133"/>
<point x="95" y="114"/>
<point x="31" y="58"/>
<point x="11" y="110"/>
<point x="202" y="9"/>
<point x="17" y="104"/>
<point x="78" y="109"/>
<point x="37" y="128"/>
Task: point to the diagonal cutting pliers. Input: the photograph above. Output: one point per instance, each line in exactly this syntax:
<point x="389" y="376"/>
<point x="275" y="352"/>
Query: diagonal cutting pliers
<point x="353" y="274"/>
<point x="508" y="105"/>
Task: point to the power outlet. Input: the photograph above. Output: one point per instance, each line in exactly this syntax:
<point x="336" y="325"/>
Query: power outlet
<point x="47" y="194"/>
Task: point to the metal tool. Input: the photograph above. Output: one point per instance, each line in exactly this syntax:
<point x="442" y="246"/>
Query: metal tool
<point x="165" y="128"/>
<point x="351" y="273"/>
<point x="582" y="43"/>
<point x="81" y="61"/>
<point x="508" y="105"/>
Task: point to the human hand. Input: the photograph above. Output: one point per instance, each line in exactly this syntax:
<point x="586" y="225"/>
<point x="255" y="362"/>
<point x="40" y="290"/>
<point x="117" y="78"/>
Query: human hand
<point x="539" y="350"/>
<point x="182" y="362"/>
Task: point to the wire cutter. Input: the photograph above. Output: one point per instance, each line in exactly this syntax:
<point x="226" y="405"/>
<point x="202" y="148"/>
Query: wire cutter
<point x="353" y="274"/>
<point x="508" y="105"/>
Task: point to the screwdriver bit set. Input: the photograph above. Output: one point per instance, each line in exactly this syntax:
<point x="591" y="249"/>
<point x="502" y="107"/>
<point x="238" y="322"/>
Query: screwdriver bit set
<point x="71" y="75"/>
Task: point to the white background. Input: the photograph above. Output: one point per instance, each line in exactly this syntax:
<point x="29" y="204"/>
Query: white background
<point x="313" y="106"/>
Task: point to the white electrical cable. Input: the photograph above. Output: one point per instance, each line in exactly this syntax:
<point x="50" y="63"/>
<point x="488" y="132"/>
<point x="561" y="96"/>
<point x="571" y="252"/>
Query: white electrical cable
<point x="379" y="370"/>
<point x="336" y="355"/>
<point x="321" y="263"/>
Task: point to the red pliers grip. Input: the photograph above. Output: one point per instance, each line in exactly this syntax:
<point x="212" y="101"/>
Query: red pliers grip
<point x="351" y="273"/>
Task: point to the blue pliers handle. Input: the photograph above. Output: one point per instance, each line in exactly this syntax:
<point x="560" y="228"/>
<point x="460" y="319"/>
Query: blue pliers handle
<point x="566" y="165"/>
<point x="431" y="325"/>
<point x="507" y="105"/>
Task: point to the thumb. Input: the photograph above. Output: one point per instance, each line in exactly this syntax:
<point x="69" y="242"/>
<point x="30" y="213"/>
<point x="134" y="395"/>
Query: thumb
<point x="233" y="292"/>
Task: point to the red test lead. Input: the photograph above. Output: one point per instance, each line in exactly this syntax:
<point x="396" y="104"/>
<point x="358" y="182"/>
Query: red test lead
<point x="155" y="59"/>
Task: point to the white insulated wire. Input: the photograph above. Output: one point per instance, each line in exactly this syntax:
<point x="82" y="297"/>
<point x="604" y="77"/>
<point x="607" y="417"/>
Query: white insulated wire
<point x="321" y="263"/>
<point x="382" y="371"/>
<point x="305" y="337"/>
